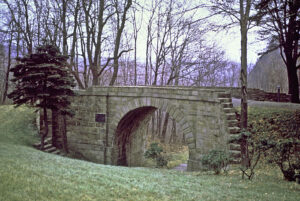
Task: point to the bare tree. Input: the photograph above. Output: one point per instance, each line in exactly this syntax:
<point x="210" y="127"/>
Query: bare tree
<point x="75" y="11"/>
<point x="9" y="60"/>
<point x="120" y="27"/>
<point x="162" y="38"/>
<point x="238" y="12"/>
<point x="149" y="41"/>
<point x="8" y="35"/>
<point x="23" y="20"/>
<point x="136" y="28"/>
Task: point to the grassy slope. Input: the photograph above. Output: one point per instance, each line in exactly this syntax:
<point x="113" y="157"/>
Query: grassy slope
<point x="28" y="174"/>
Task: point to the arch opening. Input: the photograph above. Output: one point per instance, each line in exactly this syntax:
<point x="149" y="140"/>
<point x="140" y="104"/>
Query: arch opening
<point x="128" y="144"/>
<point x="132" y="137"/>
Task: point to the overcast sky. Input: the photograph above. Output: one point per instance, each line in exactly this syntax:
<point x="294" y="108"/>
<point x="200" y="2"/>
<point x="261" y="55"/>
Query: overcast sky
<point x="231" y="44"/>
<point x="228" y="41"/>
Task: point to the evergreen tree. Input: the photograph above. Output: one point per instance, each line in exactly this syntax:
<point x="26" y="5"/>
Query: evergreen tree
<point x="43" y="80"/>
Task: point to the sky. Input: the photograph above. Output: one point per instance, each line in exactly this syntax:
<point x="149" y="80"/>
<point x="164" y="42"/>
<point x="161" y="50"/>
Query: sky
<point x="231" y="44"/>
<point x="228" y="41"/>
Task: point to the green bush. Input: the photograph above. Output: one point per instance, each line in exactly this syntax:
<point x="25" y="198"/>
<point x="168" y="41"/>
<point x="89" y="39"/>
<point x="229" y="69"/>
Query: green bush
<point x="254" y="149"/>
<point x="278" y="132"/>
<point x="215" y="160"/>
<point x="285" y="154"/>
<point x="155" y="153"/>
<point x="161" y="161"/>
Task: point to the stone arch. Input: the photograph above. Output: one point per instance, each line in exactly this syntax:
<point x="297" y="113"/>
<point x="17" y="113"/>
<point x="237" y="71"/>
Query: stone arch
<point x="140" y="109"/>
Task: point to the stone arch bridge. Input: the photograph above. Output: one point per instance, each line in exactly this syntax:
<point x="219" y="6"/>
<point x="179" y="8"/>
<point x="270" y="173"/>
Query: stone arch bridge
<point x="108" y="126"/>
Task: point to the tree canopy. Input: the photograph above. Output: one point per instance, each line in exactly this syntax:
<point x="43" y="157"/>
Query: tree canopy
<point x="42" y="80"/>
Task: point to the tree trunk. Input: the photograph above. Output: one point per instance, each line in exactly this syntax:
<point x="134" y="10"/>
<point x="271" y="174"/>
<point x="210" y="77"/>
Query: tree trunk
<point x="293" y="82"/>
<point x="291" y="49"/>
<point x="95" y="81"/>
<point x="244" y="17"/>
<point x="244" y="105"/>
<point x="135" y="37"/>
<point x="173" y="133"/>
<point x="158" y="120"/>
<point x="135" y="63"/>
<point x="46" y="128"/>
<point x="8" y="69"/>
<point x="118" y="42"/>
<point x="64" y="134"/>
<point x="116" y="69"/>
<point x="73" y="48"/>
<point x="153" y="125"/>
<point x="64" y="30"/>
<point x="164" y="129"/>
<point x="55" y="127"/>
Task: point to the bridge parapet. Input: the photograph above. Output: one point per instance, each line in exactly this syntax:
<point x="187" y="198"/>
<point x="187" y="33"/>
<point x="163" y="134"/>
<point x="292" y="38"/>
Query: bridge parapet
<point x="181" y="93"/>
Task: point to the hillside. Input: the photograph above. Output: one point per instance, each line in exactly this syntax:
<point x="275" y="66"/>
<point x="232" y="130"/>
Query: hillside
<point x="28" y="174"/>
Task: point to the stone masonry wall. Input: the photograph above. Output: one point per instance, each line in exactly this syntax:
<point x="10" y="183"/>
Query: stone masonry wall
<point x="255" y="94"/>
<point x="86" y="137"/>
<point x="205" y="116"/>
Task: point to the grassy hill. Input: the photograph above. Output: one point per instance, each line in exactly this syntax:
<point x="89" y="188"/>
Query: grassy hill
<point x="28" y="174"/>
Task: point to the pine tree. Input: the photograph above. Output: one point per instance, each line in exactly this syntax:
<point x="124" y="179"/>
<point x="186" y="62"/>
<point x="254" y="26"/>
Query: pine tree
<point x="43" y="81"/>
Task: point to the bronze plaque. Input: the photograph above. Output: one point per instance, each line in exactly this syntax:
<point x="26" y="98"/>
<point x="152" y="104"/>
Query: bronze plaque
<point x="100" y="118"/>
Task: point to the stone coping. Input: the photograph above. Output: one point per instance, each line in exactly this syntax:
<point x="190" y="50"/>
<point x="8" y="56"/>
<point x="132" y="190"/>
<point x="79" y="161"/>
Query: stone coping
<point x="181" y="93"/>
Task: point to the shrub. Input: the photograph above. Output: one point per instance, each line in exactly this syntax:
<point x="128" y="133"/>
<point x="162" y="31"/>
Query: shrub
<point x="255" y="149"/>
<point x="285" y="153"/>
<point x="278" y="134"/>
<point x="161" y="161"/>
<point x="215" y="160"/>
<point x="155" y="153"/>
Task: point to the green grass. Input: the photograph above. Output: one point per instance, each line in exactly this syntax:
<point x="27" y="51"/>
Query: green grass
<point x="28" y="174"/>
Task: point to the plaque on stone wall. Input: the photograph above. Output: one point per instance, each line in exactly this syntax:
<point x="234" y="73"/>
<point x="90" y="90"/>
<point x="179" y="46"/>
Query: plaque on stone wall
<point x="100" y="117"/>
